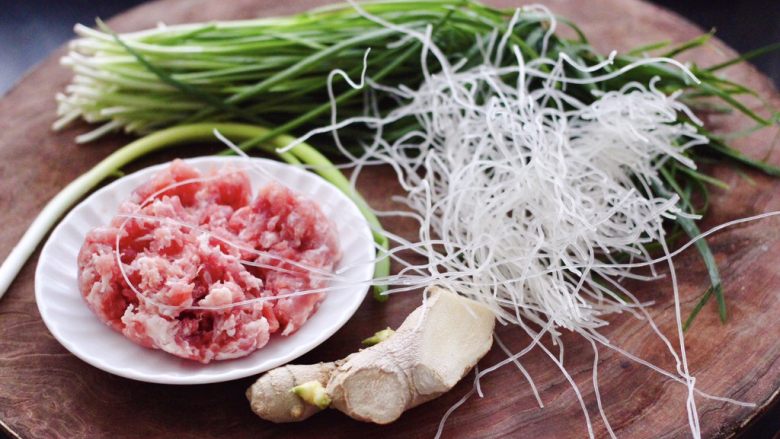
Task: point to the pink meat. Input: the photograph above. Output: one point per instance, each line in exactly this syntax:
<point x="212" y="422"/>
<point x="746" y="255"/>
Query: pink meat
<point x="200" y="254"/>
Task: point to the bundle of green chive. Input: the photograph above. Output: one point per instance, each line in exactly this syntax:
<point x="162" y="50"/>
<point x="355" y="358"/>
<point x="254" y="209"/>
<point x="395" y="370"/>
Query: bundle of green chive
<point x="273" y="72"/>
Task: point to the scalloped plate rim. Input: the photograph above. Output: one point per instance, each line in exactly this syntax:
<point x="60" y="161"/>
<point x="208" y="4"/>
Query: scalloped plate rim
<point x="296" y="347"/>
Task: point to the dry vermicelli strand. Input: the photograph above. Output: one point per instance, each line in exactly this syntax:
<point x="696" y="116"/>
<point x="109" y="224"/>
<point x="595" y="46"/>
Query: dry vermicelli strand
<point x="531" y="187"/>
<point x="526" y="195"/>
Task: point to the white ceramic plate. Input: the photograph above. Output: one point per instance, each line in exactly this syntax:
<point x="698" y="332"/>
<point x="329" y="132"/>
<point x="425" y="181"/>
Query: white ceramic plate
<point x="79" y="330"/>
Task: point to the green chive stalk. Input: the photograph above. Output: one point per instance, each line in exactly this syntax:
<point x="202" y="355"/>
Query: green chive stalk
<point x="176" y="136"/>
<point x="275" y="70"/>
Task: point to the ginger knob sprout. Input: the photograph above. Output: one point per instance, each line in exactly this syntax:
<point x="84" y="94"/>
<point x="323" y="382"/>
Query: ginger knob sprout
<point x="378" y="337"/>
<point x="313" y="393"/>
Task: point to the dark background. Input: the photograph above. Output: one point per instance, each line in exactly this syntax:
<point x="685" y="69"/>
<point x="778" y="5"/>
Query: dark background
<point x="30" y="29"/>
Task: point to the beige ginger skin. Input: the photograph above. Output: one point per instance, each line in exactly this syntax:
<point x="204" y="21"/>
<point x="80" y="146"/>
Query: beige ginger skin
<point x="435" y="346"/>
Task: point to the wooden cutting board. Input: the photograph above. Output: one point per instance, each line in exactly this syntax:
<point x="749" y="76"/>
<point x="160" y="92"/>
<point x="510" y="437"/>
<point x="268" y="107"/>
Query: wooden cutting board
<point x="47" y="392"/>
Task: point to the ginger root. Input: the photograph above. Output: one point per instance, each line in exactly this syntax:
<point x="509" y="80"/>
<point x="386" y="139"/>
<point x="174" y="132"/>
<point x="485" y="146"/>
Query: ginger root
<point x="437" y="344"/>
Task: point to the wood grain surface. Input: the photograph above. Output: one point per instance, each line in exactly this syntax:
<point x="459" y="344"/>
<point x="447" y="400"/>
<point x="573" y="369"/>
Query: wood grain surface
<point x="46" y="392"/>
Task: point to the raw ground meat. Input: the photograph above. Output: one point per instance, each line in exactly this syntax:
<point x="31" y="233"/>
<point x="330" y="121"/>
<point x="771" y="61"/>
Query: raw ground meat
<point x="176" y="268"/>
